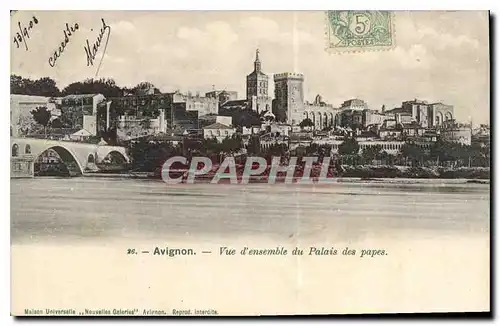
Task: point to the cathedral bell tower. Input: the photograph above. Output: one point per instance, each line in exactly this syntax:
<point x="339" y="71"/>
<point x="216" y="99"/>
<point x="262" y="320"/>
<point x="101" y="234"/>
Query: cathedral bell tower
<point x="256" y="63"/>
<point x="257" y="81"/>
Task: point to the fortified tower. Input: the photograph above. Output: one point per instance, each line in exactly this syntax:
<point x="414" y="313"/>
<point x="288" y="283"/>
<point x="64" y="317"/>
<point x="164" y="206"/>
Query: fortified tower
<point x="289" y="97"/>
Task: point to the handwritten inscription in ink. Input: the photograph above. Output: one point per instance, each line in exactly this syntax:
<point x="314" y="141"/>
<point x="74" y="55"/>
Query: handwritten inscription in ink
<point x="91" y="52"/>
<point x="68" y="32"/>
<point x="24" y="33"/>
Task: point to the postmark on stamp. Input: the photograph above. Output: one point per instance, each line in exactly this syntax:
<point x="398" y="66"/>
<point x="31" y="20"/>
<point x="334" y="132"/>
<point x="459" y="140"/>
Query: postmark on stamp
<point x="359" y="31"/>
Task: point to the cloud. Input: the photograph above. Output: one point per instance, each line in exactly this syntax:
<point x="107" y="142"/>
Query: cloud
<point x="113" y="59"/>
<point x="217" y="36"/>
<point x="264" y="29"/>
<point x="443" y="40"/>
<point x="261" y="28"/>
<point x="193" y="35"/>
<point x="122" y="26"/>
<point x="416" y="57"/>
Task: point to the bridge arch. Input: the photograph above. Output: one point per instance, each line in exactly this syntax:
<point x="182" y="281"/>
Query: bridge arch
<point x="115" y="156"/>
<point x="67" y="156"/>
<point x="86" y="156"/>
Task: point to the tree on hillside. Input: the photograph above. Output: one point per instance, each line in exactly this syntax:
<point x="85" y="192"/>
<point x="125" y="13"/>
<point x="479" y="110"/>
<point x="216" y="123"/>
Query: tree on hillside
<point x="306" y="123"/>
<point x="443" y="151"/>
<point x="413" y="152"/>
<point x="318" y="150"/>
<point x="210" y="146"/>
<point x="250" y="118"/>
<point x="149" y="155"/>
<point x="349" y="147"/>
<point x="45" y="87"/>
<point x="276" y="149"/>
<point x="143" y="88"/>
<point x="17" y="84"/>
<point x="56" y="123"/>
<point x="41" y="115"/>
<point x="106" y="87"/>
<point x="146" y="124"/>
<point x="385" y="157"/>
<point x="253" y="146"/>
<point x="371" y="152"/>
<point x="242" y="118"/>
<point x="40" y="87"/>
<point x="231" y="144"/>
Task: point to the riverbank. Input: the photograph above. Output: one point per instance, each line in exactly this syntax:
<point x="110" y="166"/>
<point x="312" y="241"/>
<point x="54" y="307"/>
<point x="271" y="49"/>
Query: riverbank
<point x="366" y="171"/>
<point x="359" y="173"/>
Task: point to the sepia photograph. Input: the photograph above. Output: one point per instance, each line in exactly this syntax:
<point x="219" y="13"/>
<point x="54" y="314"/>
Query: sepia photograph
<point x="249" y="163"/>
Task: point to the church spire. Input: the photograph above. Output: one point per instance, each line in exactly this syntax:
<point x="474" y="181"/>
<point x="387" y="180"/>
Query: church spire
<point x="256" y="63"/>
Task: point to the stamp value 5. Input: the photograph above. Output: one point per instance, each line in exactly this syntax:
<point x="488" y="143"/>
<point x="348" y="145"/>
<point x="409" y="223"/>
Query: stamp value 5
<point x="355" y="31"/>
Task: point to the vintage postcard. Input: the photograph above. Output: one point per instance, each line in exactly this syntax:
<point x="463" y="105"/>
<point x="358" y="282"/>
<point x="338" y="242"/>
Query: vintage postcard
<point x="228" y="163"/>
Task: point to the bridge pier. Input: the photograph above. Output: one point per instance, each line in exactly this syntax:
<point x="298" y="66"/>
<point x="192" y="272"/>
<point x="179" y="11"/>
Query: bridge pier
<point x="22" y="167"/>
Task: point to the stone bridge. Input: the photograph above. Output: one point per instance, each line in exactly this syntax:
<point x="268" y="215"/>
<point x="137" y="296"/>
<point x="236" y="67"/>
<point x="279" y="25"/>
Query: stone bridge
<point x="81" y="157"/>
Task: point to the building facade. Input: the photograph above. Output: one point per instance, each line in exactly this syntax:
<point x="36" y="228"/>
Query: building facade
<point x="80" y="111"/>
<point x="130" y="127"/>
<point x="420" y="112"/>
<point x="427" y="115"/>
<point x="354" y="104"/>
<point x="211" y="119"/>
<point x="353" y="114"/>
<point x="223" y="96"/>
<point x="441" y="113"/>
<point x="21" y="118"/>
<point x="457" y="134"/>
<point x="373" y="117"/>
<point x="204" y="105"/>
<point x="180" y="111"/>
<point x="321" y="114"/>
<point x="218" y="131"/>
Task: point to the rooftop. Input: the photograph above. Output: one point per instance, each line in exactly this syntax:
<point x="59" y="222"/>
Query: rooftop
<point x="413" y="124"/>
<point x="22" y="97"/>
<point x="398" y="110"/>
<point x="260" y="73"/>
<point x="416" y="101"/>
<point x="354" y="103"/>
<point x="217" y="125"/>
<point x="241" y="104"/>
<point x="288" y="75"/>
<point x="157" y="137"/>
<point x="78" y="96"/>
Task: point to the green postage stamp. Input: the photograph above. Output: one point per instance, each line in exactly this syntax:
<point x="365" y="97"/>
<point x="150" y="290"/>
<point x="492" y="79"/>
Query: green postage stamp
<point x="358" y="31"/>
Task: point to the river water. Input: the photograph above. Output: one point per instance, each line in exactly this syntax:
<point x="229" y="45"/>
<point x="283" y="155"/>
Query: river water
<point x="71" y="239"/>
<point x="88" y="209"/>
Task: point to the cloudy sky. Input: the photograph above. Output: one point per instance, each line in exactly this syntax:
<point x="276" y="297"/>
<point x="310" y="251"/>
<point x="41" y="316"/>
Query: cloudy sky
<point x="440" y="56"/>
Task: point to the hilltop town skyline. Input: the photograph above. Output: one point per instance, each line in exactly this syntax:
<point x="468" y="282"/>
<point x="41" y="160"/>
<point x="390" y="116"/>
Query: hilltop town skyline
<point x="196" y="53"/>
